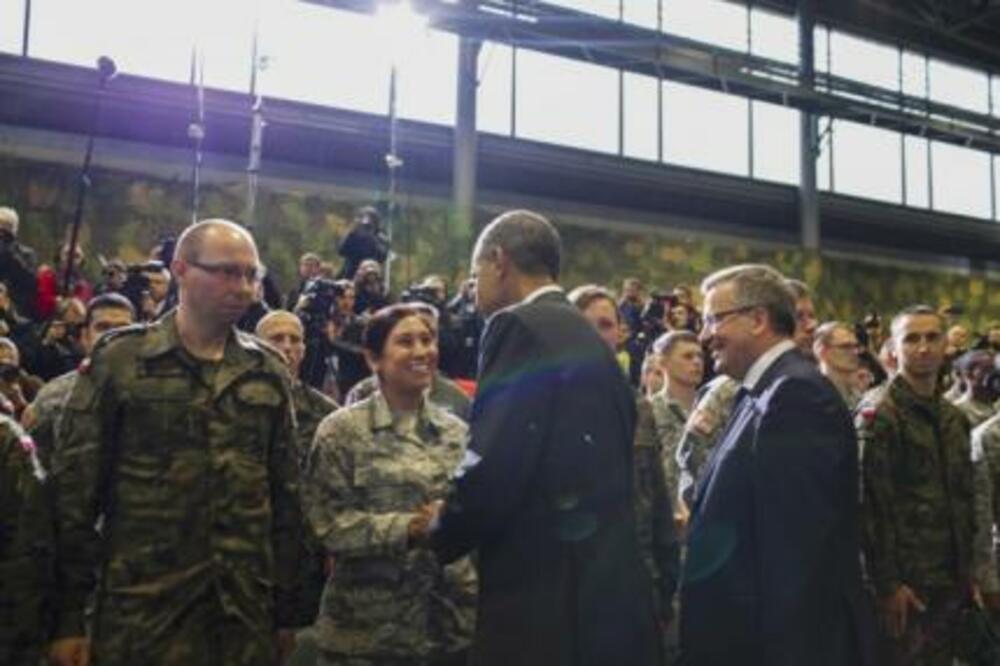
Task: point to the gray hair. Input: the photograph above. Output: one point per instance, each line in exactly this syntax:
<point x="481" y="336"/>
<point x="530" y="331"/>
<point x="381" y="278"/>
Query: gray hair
<point x="530" y="240"/>
<point x="758" y="285"/>
<point x="9" y="218"/>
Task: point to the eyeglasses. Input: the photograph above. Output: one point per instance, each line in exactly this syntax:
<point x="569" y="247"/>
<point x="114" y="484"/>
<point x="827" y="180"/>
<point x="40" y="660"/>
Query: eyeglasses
<point x="847" y="346"/>
<point x="714" y="319"/>
<point x="234" y="272"/>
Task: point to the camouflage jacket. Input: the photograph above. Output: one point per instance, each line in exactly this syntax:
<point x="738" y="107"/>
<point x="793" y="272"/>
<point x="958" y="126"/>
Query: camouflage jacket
<point x="367" y="473"/>
<point x="41" y="416"/>
<point x="670" y="418"/>
<point x="711" y="412"/>
<point x="311" y="407"/>
<point x="187" y="467"/>
<point x="654" y="510"/>
<point x="26" y="548"/>
<point x="977" y="412"/>
<point x="986" y="461"/>
<point x="443" y="393"/>
<point x="917" y="508"/>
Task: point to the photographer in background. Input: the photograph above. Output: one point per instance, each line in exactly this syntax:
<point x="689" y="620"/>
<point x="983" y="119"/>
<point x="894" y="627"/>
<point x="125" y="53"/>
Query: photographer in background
<point x="365" y="241"/>
<point x="468" y="326"/>
<point x="113" y="276"/>
<point x="16" y="385"/>
<point x="310" y="266"/>
<point x="433" y="291"/>
<point x="17" y="264"/>
<point x="333" y="360"/>
<point x="60" y="349"/>
<point x="369" y="289"/>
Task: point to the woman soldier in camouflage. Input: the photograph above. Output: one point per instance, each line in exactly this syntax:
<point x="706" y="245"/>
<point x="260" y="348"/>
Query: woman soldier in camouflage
<point x="373" y="464"/>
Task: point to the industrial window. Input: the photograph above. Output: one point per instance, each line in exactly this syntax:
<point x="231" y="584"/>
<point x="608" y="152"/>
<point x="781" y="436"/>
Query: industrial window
<point x="11" y="25"/>
<point x="493" y="95"/>
<point x="961" y="180"/>
<point x="866" y="162"/>
<point x="775" y="143"/>
<point x="710" y="21"/>
<point x="581" y="111"/>
<point x="641" y="127"/>
<point x="705" y="129"/>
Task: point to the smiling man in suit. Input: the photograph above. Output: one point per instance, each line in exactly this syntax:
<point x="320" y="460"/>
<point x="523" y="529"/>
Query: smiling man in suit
<point x="545" y="493"/>
<point x="772" y="572"/>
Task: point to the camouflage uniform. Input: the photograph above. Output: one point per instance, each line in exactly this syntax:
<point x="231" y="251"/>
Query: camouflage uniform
<point x="917" y="512"/>
<point x="654" y="517"/>
<point x="670" y="418"/>
<point x="367" y="473"/>
<point x="311" y="407"/>
<point x="977" y="412"/>
<point x="25" y="549"/>
<point x="43" y="413"/>
<point x="444" y="393"/>
<point x="986" y="461"/>
<point x="710" y="413"/>
<point x="187" y="467"/>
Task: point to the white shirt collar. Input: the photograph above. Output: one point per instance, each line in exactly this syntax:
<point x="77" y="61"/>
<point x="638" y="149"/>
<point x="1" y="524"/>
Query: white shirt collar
<point x="765" y="361"/>
<point x="541" y="291"/>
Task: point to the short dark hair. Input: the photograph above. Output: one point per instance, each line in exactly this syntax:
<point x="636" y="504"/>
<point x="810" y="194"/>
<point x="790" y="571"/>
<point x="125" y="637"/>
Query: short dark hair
<point x="530" y="240"/>
<point x="666" y="342"/>
<point x="759" y="285"/>
<point x="106" y="302"/>
<point x="381" y="324"/>
<point x="912" y="311"/>
<point x="586" y="294"/>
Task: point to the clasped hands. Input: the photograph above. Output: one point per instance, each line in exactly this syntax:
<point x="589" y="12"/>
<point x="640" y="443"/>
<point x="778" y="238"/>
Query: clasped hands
<point x="418" y="531"/>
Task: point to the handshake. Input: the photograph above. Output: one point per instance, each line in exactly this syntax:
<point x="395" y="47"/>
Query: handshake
<point x="418" y="531"/>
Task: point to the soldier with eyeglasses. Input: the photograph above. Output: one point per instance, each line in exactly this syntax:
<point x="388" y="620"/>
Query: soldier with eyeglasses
<point x="179" y="447"/>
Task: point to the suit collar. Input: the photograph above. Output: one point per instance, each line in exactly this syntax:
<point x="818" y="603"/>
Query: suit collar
<point x="543" y="293"/>
<point x="765" y="362"/>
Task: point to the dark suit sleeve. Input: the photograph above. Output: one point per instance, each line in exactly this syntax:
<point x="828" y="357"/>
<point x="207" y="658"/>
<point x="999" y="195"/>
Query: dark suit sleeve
<point x="805" y="482"/>
<point x="509" y="420"/>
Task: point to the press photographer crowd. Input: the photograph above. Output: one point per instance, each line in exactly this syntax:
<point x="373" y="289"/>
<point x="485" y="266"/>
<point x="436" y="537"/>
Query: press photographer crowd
<point x="197" y="468"/>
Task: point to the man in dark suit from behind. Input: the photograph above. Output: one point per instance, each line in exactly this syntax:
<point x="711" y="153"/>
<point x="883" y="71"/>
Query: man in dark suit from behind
<point x="545" y="493"/>
<point x="772" y="573"/>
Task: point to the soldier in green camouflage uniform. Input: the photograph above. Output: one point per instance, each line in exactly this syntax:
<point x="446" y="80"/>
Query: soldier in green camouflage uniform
<point x="104" y="313"/>
<point x="710" y="413"/>
<point x="372" y="465"/>
<point x="917" y="508"/>
<point x="986" y="463"/>
<point x="25" y="549"/>
<point x="176" y="441"/>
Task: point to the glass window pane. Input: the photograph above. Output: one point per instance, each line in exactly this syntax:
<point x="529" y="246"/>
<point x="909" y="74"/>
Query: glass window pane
<point x="864" y="61"/>
<point x="866" y="162"/>
<point x="307" y="47"/>
<point x="11" y="25"/>
<point x="821" y="40"/>
<point x="493" y="102"/>
<point x="775" y="143"/>
<point x="825" y="151"/>
<point x="704" y="129"/>
<point x="602" y="8"/>
<point x="914" y="79"/>
<point x="146" y="38"/>
<point x="581" y="111"/>
<point x="642" y="13"/>
<point x="710" y="21"/>
<point x="775" y="36"/>
<point x="996" y="95"/>
<point x="959" y="86"/>
<point x="961" y="180"/>
<point x="428" y="76"/>
<point x="641" y="130"/>
<point x="916" y="172"/>
<point x="996" y="184"/>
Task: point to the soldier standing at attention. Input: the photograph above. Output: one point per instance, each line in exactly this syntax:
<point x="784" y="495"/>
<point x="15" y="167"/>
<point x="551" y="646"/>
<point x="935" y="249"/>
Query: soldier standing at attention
<point x="373" y="464"/>
<point x="917" y="508"/>
<point x="178" y="447"/>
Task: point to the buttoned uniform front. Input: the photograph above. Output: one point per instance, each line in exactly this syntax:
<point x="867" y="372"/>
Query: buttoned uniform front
<point x="188" y="466"/>
<point x="367" y="472"/>
<point x="918" y="510"/>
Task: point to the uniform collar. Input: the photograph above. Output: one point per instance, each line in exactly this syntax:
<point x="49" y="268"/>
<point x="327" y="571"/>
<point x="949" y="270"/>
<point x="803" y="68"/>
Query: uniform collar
<point x="428" y="414"/>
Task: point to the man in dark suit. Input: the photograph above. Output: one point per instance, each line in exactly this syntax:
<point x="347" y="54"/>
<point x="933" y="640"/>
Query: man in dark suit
<point x="545" y="493"/>
<point x="772" y="572"/>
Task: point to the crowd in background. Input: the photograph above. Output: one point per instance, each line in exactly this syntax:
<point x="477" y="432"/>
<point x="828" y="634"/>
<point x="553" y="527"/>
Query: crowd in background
<point x="49" y="325"/>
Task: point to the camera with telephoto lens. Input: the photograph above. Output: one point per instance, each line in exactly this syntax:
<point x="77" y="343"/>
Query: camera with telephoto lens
<point x="319" y="299"/>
